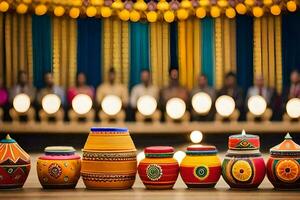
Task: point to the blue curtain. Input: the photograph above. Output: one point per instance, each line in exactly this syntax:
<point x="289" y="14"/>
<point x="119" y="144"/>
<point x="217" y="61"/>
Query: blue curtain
<point x="89" y="49"/>
<point x="41" y="48"/>
<point x="244" y="51"/>
<point x="207" y="49"/>
<point x="290" y="45"/>
<point x="139" y="50"/>
<point x="174" y="45"/>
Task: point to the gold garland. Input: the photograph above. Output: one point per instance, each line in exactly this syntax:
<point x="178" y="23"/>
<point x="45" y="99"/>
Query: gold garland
<point x="218" y="54"/>
<point x="64" y="53"/>
<point x="197" y="49"/>
<point x="233" y="44"/>
<point x="265" y="53"/>
<point x="189" y="54"/>
<point x="15" y="47"/>
<point x="271" y="48"/>
<point x="125" y="53"/>
<point x="182" y="52"/>
<point x="165" y="53"/>
<point x="257" y="70"/>
<point x="227" y="45"/>
<point x="116" y="55"/>
<point x="107" y="48"/>
<point x="77" y="8"/>
<point x="1" y="47"/>
<point x="22" y="46"/>
<point x="56" y="50"/>
<point x="154" y="51"/>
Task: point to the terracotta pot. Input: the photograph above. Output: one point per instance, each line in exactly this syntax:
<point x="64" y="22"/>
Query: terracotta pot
<point x="243" y="166"/>
<point x="59" y="168"/>
<point x="201" y="168"/>
<point x="14" y="164"/>
<point x="109" y="159"/>
<point x="159" y="170"/>
<point x="283" y="167"/>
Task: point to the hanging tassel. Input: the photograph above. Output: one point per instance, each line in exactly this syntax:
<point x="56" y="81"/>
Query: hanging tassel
<point x="15" y="47"/>
<point x="8" y="56"/>
<point x="107" y="47"/>
<point x="165" y="53"/>
<point x="197" y="51"/>
<point x="72" y="52"/>
<point x="56" y="50"/>
<point x="29" y="48"/>
<point x="218" y="54"/>
<point x="189" y="54"/>
<point x="265" y="53"/>
<point x="278" y="54"/>
<point x="271" y="48"/>
<point x="257" y="47"/>
<point x="125" y="53"/>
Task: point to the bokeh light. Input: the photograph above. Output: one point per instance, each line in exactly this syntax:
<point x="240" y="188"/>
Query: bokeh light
<point x="146" y="105"/>
<point x="201" y="103"/>
<point x="293" y="108"/>
<point x="225" y="105"/>
<point x="175" y="108"/>
<point x="51" y="103"/>
<point x="21" y="103"/>
<point x="82" y="104"/>
<point x="111" y="104"/>
<point x="257" y="105"/>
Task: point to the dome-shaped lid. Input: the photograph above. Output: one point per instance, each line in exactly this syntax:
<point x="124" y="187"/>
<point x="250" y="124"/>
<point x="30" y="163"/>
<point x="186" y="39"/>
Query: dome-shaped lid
<point x="159" y="151"/>
<point x="108" y="129"/>
<point x="201" y="149"/>
<point x="243" y="141"/>
<point x="12" y="153"/>
<point x="59" y="150"/>
<point x="287" y="147"/>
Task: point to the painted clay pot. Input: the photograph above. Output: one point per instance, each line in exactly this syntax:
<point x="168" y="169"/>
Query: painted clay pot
<point x="14" y="164"/>
<point x="109" y="159"/>
<point x="59" y="168"/>
<point x="201" y="167"/>
<point x="159" y="170"/>
<point x="283" y="166"/>
<point x="243" y="165"/>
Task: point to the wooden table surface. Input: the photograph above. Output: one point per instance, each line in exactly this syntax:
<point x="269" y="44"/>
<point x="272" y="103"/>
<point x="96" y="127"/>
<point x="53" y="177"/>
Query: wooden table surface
<point x="33" y="190"/>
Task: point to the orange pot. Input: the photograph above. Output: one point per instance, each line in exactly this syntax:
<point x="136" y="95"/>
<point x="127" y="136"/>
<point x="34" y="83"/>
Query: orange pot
<point x="109" y="159"/>
<point x="59" y="168"/>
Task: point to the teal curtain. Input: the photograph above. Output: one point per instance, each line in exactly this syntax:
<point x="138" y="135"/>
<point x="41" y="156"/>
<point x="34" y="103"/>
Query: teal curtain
<point x="207" y="46"/>
<point x="41" y="48"/>
<point x="244" y="51"/>
<point x="139" y="50"/>
<point x="89" y="49"/>
<point x="290" y="45"/>
<point x="174" y="44"/>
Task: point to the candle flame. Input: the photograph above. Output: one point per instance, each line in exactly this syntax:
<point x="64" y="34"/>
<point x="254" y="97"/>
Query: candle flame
<point x="243" y="132"/>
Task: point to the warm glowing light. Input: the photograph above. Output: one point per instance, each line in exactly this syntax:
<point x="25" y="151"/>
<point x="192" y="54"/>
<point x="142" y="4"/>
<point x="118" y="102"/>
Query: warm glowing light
<point x="175" y="108"/>
<point x="196" y="136"/>
<point x="111" y="104"/>
<point x="179" y="156"/>
<point x="243" y="132"/>
<point x="82" y="104"/>
<point x="51" y="103"/>
<point x="225" y="105"/>
<point x="257" y="105"/>
<point x="140" y="156"/>
<point x="201" y="102"/>
<point x="146" y="105"/>
<point x="293" y="108"/>
<point x="21" y="103"/>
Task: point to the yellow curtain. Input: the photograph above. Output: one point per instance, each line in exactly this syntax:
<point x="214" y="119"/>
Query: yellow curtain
<point x="64" y="51"/>
<point x="115" y="49"/>
<point x="18" y="51"/>
<point x="159" y="50"/>
<point x="189" y="51"/>
<point x="267" y="50"/>
<point x="225" y="48"/>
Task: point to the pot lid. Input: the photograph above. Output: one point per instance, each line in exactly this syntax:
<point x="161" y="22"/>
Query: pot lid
<point x="12" y="153"/>
<point x="108" y="129"/>
<point x="201" y="149"/>
<point x="59" y="150"/>
<point x="243" y="141"/>
<point x="159" y="151"/>
<point x="288" y="146"/>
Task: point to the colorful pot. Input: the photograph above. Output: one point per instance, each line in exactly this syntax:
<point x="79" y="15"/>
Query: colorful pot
<point x="59" y="168"/>
<point x="14" y="164"/>
<point x="243" y="165"/>
<point x="283" y="167"/>
<point x="109" y="159"/>
<point x="159" y="170"/>
<point x="201" y="167"/>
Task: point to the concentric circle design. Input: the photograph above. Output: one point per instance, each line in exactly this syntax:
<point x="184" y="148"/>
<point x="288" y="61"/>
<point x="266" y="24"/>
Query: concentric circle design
<point x="287" y="170"/>
<point x="201" y="172"/>
<point x="241" y="171"/>
<point x="55" y="170"/>
<point x="154" y="172"/>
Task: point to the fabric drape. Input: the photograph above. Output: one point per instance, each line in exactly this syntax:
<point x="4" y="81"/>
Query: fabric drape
<point x="42" y="48"/>
<point x="89" y="49"/>
<point x="139" y="50"/>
